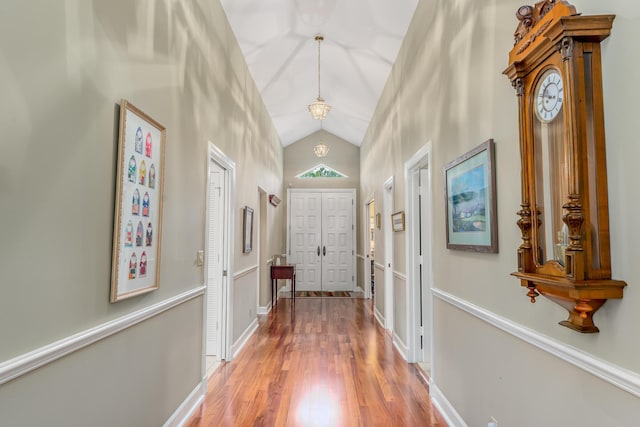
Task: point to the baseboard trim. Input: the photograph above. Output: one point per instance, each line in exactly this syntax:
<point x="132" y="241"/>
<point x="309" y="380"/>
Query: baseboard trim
<point x="445" y="407"/>
<point x="264" y="310"/>
<point x="423" y="375"/>
<point x="188" y="407"/>
<point x="622" y="378"/>
<point x="20" y="365"/>
<point x="379" y="317"/>
<point x="244" y="338"/>
<point x="400" y="346"/>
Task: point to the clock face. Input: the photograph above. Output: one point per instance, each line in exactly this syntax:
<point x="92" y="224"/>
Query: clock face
<point x="549" y="96"/>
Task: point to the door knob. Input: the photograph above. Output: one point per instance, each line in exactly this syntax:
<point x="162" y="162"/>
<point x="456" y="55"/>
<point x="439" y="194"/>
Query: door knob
<point x="318" y="250"/>
<point x="324" y="251"/>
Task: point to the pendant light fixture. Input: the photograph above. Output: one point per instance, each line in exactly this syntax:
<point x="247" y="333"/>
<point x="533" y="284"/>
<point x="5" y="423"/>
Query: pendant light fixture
<point x="321" y="150"/>
<point x="319" y="109"/>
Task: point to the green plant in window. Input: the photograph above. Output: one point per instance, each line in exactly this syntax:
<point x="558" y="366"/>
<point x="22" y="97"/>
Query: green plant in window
<point x="321" y="171"/>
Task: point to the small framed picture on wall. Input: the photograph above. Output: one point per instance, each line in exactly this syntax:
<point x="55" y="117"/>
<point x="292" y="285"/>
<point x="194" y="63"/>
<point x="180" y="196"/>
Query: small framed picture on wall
<point x="247" y="230"/>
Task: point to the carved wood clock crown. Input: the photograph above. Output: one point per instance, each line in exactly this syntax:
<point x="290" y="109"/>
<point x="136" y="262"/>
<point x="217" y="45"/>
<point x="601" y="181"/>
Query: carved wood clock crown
<point x="555" y="67"/>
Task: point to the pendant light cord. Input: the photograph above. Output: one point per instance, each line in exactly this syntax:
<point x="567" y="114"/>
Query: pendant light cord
<point x="319" y="38"/>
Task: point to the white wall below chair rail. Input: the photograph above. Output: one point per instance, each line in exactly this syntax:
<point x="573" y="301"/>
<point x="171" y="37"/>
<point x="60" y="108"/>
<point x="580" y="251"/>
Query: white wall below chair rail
<point x="622" y="378"/>
<point x="13" y="368"/>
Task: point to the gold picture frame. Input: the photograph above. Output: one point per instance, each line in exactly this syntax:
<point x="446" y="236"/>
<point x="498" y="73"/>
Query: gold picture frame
<point x="137" y="229"/>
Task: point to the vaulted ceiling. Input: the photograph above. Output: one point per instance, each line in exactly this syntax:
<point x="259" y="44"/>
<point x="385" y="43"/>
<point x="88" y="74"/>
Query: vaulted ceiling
<point x="361" y="42"/>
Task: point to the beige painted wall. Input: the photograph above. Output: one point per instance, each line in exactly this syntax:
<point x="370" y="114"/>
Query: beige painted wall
<point x="447" y="87"/>
<point x="343" y="156"/>
<point x="64" y="67"/>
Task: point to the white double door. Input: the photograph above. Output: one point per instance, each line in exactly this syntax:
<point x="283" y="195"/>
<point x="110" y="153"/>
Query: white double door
<point x="322" y="240"/>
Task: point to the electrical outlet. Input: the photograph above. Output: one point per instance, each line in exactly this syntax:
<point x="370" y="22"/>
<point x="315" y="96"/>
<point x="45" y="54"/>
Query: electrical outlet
<point x="492" y="422"/>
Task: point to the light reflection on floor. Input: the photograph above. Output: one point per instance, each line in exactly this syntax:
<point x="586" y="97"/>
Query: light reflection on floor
<point x="318" y="408"/>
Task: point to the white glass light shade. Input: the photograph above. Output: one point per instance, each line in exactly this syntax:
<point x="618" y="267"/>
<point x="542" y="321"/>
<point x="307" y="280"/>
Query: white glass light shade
<point x="319" y="109"/>
<point x="321" y="150"/>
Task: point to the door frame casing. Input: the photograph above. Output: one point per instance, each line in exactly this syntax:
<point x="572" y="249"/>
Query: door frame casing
<point x="216" y="155"/>
<point x="366" y="281"/>
<point x="261" y="235"/>
<point x="388" y="201"/>
<point x="422" y="159"/>
<point x="351" y="191"/>
<point x="213" y="246"/>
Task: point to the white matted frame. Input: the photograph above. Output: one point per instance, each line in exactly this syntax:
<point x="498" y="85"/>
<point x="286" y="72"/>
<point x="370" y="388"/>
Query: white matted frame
<point x="137" y="230"/>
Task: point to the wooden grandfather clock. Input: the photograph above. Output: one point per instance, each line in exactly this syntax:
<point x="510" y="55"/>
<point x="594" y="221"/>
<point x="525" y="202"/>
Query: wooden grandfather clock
<point x="564" y="217"/>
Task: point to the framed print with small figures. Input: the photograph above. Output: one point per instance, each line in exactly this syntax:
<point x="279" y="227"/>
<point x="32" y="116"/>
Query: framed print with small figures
<point x="137" y="228"/>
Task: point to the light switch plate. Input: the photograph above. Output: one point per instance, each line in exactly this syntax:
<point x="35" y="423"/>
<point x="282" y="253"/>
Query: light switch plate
<point x="200" y="259"/>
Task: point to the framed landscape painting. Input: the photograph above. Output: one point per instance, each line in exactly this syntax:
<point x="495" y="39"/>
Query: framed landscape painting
<point x="471" y="200"/>
<point x="137" y="229"/>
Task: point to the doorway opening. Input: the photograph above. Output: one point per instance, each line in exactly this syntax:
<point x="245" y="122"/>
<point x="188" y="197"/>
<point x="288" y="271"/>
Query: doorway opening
<point x="218" y="261"/>
<point x="419" y="258"/>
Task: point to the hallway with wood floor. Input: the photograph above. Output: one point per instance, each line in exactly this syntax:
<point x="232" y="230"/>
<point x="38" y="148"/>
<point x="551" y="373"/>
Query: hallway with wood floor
<point x="314" y="363"/>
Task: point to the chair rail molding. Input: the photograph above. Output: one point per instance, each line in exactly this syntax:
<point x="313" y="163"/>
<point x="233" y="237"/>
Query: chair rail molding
<point x="20" y="365"/>
<point x="244" y="272"/>
<point x="399" y="275"/>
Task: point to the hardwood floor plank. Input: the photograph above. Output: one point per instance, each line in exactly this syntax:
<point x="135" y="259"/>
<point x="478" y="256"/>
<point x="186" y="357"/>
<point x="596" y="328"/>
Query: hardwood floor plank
<point x="318" y="362"/>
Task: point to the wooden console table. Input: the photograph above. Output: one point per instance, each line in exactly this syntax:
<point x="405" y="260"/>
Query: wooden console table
<point x="286" y="272"/>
